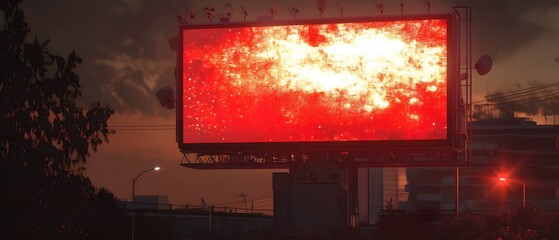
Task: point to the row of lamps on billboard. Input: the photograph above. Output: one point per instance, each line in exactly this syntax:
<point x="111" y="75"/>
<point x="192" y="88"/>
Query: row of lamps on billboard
<point x="225" y="16"/>
<point x="166" y="95"/>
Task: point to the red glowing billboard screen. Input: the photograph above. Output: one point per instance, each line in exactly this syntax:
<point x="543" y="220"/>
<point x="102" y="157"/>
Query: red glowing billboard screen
<point x="335" y="83"/>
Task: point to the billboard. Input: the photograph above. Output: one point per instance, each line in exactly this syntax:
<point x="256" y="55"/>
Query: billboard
<point x="335" y="84"/>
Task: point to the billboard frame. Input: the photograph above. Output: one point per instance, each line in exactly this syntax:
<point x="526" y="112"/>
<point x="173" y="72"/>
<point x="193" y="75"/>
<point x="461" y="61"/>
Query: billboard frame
<point x="452" y="140"/>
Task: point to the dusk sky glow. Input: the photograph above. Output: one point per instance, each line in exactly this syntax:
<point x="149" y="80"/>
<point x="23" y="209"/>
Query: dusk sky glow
<point x="126" y="59"/>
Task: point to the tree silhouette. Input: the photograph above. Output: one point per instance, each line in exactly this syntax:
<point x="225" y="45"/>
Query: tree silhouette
<point x="44" y="138"/>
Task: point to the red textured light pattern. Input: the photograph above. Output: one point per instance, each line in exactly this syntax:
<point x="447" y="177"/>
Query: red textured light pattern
<point x="364" y="81"/>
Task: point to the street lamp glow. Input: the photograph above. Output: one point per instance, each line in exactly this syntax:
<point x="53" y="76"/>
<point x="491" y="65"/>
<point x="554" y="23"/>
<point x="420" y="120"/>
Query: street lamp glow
<point x="133" y="190"/>
<point x="502" y="179"/>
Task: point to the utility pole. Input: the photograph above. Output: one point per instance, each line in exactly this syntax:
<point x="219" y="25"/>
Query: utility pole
<point x="244" y="196"/>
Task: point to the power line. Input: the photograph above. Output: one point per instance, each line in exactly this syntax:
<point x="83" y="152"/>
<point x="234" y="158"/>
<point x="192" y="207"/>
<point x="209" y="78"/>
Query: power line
<point x="241" y="201"/>
<point x="520" y="91"/>
<point x="142" y="126"/>
<point x="554" y="96"/>
<point x="527" y="100"/>
<point x="141" y="129"/>
<point x="521" y="94"/>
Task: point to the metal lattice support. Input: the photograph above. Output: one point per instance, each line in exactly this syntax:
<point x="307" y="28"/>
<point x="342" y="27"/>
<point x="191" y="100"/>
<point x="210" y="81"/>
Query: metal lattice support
<point x="388" y="158"/>
<point x="458" y="155"/>
<point x="466" y="69"/>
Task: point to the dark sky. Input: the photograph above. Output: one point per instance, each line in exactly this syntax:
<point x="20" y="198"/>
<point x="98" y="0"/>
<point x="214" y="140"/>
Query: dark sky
<point x="126" y="58"/>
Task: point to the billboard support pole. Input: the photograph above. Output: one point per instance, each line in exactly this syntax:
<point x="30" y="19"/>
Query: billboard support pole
<point x="465" y="17"/>
<point x="457" y="193"/>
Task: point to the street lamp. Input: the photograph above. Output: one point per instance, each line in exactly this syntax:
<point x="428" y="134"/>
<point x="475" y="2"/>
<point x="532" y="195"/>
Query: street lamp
<point x="502" y="179"/>
<point x="133" y="191"/>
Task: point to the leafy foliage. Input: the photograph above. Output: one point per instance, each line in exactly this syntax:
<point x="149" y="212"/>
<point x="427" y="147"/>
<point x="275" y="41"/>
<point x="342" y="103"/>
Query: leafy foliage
<point x="401" y="225"/>
<point x="529" y="223"/>
<point x="40" y="118"/>
<point x="44" y="138"/>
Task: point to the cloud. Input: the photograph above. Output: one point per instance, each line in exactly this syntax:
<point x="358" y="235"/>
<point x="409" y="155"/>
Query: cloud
<point x="123" y="44"/>
<point x="132" y="79"/>
<point x="531" y="65"/>
<point x="502" y="26"/>
<point x="127" y="58"/>
<point x="530" y="60"/>
<point x="536" y="98"/>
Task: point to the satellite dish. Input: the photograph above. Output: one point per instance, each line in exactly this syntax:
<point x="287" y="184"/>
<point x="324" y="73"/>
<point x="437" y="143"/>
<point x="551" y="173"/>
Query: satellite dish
<point x="483" y="65"/>
<point x="166" y="97"/>
<point x="174" y="43"/>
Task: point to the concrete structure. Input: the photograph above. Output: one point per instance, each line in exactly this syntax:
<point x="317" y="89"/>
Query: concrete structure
<point x="312" y="197"/>
<point x="319" y="196"/>
<point x="152" y="202"/>
<point x="188" y="223"/>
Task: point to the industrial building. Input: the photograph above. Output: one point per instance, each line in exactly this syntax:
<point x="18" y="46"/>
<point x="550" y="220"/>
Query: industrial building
<point x="517" y="149"/>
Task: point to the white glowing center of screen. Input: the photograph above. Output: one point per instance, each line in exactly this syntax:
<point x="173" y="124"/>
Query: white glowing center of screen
<point x="364" y="64"/>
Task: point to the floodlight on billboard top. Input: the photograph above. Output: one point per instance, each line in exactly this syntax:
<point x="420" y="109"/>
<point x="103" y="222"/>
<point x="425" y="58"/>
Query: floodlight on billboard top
<point x="348" y="82"/>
